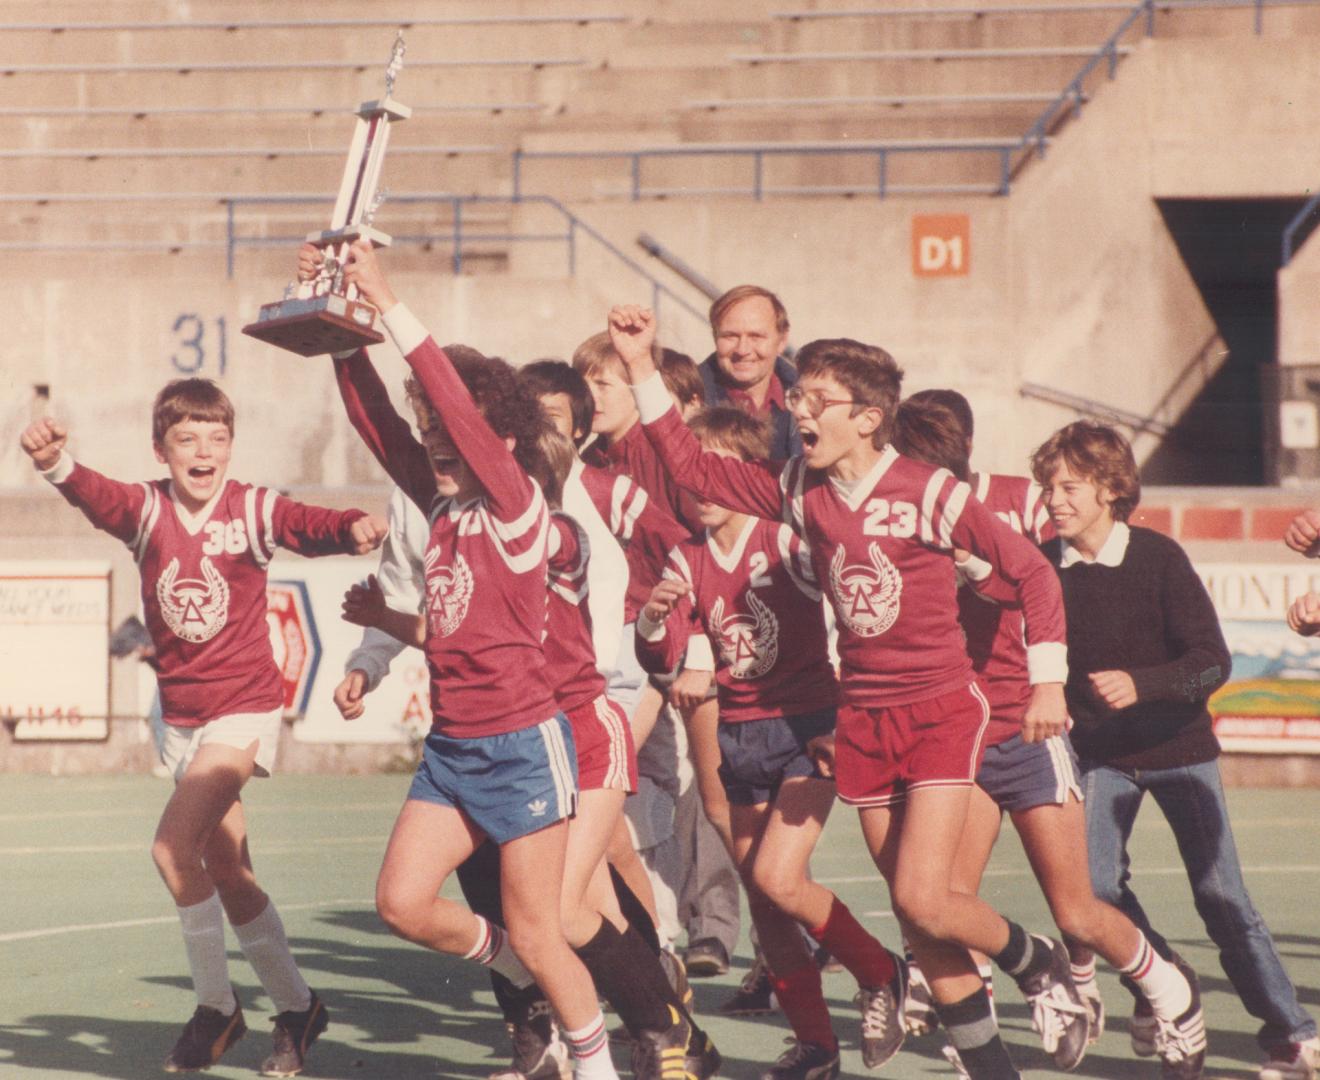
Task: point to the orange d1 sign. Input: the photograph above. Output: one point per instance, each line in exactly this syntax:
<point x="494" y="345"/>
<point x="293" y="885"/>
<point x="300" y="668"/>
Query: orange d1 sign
<point x="941" y="245"/>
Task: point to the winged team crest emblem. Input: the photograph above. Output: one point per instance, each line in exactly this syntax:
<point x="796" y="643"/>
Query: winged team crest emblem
<point x="448" y="593"/>
<point x="195" y="610"/>
<point x="866" y="597"/>
<point x="748" y="643"/>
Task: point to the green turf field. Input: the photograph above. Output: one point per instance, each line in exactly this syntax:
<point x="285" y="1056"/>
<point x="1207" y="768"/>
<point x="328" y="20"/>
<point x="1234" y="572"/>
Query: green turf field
<point x="93" y="981"/>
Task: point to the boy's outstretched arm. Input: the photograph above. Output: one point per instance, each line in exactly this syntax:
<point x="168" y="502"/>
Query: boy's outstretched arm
<point x="509" y="491"/>
<point x="111" y="505"/>
<point x="367" y="403"/>
<point x="745" y="486"/>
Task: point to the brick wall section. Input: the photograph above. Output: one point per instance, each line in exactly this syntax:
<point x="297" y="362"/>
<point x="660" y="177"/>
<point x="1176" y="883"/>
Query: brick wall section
<point x="1190" y="521"/>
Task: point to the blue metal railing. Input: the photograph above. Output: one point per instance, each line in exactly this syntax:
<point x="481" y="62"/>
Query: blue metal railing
<point x="457" y="236"/>
<point x="757" y="188"/>
<point x="1301" y="226"/>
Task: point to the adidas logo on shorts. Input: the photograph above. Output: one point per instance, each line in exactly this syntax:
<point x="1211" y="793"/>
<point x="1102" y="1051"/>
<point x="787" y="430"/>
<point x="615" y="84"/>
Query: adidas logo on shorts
<point x="538" y="807"/>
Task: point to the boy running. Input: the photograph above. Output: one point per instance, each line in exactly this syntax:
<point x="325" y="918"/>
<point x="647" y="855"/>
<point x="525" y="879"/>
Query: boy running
<point x="203" y="544"/>
<point x="753" y="588"/>
<point x="909" y="739"/>
<point x="1036" y="782"/>
<point x="1147" y="653"/>
<point x="499" y="761"/>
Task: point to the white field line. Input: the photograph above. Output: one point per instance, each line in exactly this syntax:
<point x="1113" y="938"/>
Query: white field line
<point x="125" y="924"/>
<point x="266" y="848"/>
<point x="151" y="812"/>
<point x="1156" y="871"/>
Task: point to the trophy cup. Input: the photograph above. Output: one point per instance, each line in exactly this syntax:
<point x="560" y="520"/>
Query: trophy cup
<point x="324" y="315"/>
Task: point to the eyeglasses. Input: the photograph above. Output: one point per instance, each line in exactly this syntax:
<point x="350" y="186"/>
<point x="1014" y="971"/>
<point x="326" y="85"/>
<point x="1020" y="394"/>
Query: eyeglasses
<point x="813" y="401"/>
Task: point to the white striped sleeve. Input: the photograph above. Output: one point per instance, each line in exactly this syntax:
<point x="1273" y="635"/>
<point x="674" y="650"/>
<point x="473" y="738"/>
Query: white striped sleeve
<point x="146" y="522"/>
<point x="796" y="557"/>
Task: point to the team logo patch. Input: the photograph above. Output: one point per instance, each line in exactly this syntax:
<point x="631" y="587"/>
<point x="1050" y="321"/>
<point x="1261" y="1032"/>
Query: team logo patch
<point x="866" y="597"/>
<point x="448" y="593"/>
<point x="195" y="610"/>
<point x="748" y="643"/>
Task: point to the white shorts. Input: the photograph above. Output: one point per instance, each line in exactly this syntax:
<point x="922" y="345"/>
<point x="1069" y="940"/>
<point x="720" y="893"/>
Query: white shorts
<point x="239" y="730"/>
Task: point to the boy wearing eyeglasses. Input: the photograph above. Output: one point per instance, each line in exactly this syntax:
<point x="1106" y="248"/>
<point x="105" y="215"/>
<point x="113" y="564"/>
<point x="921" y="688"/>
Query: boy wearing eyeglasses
<point x="912" y="719"/>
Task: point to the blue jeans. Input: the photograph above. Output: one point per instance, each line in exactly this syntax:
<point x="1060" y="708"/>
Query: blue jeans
<point x="1192" y="799"/>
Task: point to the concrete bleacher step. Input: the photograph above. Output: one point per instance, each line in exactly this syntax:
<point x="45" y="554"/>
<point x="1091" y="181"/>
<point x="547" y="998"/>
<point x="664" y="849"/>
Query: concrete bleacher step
<point x="331" y="89"/>
<point x="891" y="31"/>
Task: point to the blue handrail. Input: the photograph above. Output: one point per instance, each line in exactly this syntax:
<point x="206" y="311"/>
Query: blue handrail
<point x="458" y="235"/>
<point x="1302" y="219"/>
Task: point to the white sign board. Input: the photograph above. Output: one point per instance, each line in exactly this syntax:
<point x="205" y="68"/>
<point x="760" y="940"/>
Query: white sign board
<point x="54" y="649"/>
<point x="399" y="709"/>
<point x="1271" y="703"/>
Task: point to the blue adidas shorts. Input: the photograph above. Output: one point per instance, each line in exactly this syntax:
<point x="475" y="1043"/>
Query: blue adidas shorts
<point x="507" y="785"/>
<point x="759" y="755"/>
<point x="1021" y="775"/>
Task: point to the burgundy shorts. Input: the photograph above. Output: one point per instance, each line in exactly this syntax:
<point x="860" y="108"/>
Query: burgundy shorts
<point x="604" y="742"/>
<point x="881" y="754"/>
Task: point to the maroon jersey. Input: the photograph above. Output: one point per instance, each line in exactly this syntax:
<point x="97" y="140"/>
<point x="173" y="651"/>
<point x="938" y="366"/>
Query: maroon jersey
<point x="204" y="582"/>
<point x="633" y="455"/>
<point x="761" y="608"/>
<point x="995" y="633"/>
<point x="881" y="549"/>
<point x="485" y="560"/>
<point x="646" y="533"/>
<point x="570" y="657"/>
<point x="1017" y="501"/>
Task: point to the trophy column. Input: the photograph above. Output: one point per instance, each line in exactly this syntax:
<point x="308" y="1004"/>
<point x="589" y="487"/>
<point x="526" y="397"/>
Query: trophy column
<point x="324" y="315"/>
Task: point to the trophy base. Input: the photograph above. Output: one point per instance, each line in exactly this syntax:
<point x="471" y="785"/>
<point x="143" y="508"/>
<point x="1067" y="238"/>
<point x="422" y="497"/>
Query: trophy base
<point x="316" y="326"/>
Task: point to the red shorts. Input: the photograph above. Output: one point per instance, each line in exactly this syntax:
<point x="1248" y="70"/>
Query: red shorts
<point x="882" y="754"/>
<point x="605" y="753"/>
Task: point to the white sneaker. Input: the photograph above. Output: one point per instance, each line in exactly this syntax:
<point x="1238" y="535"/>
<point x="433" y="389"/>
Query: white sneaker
<point x="1293" y="1061"/>
<point x="1089" y="992"/>
<point x="1142" y="1029"/>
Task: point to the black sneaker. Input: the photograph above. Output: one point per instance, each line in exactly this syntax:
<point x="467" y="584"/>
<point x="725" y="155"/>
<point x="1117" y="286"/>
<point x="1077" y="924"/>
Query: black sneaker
<point x="703" y="1060"/>
<point x="662" y="1055"/>
<point x="1058" y="1014"/>
<point x="706" y="958"/>
<point x="676" y="972"/>
<point x="882" y="1016"/>
<point x="538" y="1052"/>
<point x="805" y="1061"/>
<point x="754" y="995"/>
<point x="205" y="1037"/>
<point x="293" y="1036"/>
<point x="1181" y="1042"/>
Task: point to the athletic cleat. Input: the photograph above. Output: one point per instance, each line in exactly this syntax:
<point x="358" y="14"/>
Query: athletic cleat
<point x="1181" y="1042"/>
<point x="702" y="1060"/>
<point x="676" y="972"/>
<point x="538" y="1052"/>
<point x="293" y="1035"/>
<point x="205" y="1038"/>
<point x="1058" y="1014"/>
<point x="1142" y="1029"/>
<point x="1292" y="1061"/>
<point x="919" y="1015"/>
<point x="662" y="1055"/>
<point x="1095" y="1005"/>
<point x="805" y="1061"/>
<point x="754" y="995"/>
<point x="882" y="1016"/>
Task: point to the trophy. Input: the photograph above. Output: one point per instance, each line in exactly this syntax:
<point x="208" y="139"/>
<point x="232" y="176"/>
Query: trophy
<point x="325" y="315"/>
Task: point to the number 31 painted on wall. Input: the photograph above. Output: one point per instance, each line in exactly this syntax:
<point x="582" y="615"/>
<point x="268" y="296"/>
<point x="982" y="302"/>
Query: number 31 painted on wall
<point x="196" y="354"/>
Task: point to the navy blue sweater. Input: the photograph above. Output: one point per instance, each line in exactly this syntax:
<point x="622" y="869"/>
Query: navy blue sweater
<point x="1151" y="617"/>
